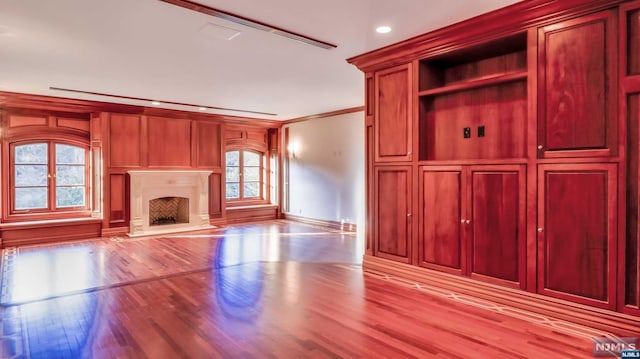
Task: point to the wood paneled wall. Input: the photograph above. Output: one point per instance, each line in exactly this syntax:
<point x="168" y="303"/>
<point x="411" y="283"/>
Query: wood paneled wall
<point x="154" y="142"/>
<point x="135" y="138"/>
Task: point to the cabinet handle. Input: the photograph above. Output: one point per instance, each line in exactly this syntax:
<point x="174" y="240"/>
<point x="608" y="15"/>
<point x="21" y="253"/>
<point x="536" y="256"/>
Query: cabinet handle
<point x="539" y="230"/>
<point x="467" y="221"/>
<point x="462" y="221"/>
<point x="540" y="147"/>
<point x="408" y="214"/>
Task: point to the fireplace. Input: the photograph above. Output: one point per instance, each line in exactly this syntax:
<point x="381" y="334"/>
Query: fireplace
<point x="168" y="201"/>
<point x="168" y="210"/>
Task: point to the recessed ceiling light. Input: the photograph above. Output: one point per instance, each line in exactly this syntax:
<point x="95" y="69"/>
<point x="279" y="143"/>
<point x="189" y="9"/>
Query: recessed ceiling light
<point x="383" y="29"/>
<point x="202" y="108"/>
<point x="155" y="103"/>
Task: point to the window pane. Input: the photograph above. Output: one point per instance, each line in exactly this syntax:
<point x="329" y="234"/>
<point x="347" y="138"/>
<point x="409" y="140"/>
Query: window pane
<point x="251" y="158"/>
<point x="67" y="154"/>
<point x="252" y="174"/>
<point x="32" y="153"/>
<point x="233" y="190"/>
<point x="251" y="189"/>
<point x="31" y="198"/>
<point x="233" y="158"/>
<point x="31" y="175"/>
<point x="70" y="175"/>
<point x="69" y="196"/>
<point x="233" y="174"/>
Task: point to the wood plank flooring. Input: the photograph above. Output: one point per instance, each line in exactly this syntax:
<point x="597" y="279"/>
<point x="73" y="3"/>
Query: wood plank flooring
<point x="276" y="289"/>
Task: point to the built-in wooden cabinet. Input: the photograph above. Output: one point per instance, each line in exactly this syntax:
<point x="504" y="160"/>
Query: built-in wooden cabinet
<point x="525" y="126"/>
<point x="472" y="221"/>
<point x="577" y="87"/>
<point x="577" y="232"/>
<point x="393" y="212"/>
<point x="393" y="124"/>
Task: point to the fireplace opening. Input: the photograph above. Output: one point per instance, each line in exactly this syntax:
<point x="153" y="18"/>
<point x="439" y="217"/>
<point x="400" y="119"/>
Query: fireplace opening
<point x="168" y="210"/>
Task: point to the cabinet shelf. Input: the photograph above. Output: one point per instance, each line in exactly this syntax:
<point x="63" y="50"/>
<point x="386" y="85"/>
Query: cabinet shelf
<point x="488" y="80"/>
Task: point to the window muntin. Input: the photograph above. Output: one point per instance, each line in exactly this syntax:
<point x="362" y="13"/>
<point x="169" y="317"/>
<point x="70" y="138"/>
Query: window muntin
<point x="244" y="177"/>
<point x="49" y="176"/>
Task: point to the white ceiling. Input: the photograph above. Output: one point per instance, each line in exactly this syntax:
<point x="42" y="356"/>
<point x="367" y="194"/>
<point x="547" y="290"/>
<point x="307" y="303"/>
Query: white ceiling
<point x="151" y="49"/>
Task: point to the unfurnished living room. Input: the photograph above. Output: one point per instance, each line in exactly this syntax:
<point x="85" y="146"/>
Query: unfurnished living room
<point x="326" y="179"/>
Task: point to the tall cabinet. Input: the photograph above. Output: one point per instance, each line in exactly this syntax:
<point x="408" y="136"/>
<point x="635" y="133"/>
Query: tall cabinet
<point x="503" y="150"/>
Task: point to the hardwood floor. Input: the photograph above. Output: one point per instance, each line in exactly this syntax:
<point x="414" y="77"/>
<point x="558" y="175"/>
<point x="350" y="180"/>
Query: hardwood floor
<point x="275" y="289"/>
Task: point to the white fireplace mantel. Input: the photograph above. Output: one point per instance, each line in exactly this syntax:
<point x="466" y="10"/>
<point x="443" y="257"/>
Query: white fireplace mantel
<point x="148" y="185"/>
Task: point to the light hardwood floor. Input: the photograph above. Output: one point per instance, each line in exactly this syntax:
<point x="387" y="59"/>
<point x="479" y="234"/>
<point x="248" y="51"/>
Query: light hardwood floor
<point x="274" y="289"/>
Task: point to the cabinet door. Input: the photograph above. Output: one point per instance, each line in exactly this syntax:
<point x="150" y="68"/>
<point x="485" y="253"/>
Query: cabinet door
<point x="393" y="212"/>
<point x="498" y="232"/>
<point x="577" y="226"/>
<point x="577" y="82"/>
<point x="441" y="209"/>
<point x="393" y="114"/>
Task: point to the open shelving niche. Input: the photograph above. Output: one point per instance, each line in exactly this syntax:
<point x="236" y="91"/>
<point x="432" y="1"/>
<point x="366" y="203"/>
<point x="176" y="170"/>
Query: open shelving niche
<point x="478" y="91"/>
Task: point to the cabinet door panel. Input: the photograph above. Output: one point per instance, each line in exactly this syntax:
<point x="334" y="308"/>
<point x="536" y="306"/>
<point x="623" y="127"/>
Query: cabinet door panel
<point x="393" y="205"/>
<point x="578" y="225"/>
<point x="393" y="114"/>
<point x="578" y="61"/>
<point x="441" y="212"/>
<point x="498" y="225"/>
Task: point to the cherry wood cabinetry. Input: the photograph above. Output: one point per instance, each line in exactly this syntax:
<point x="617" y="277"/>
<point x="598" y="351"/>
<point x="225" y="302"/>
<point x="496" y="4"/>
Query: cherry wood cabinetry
<point x="393" y="212"/>
<point x="577" y="87"/>
<point x="441" y="219"/>
<point x="393" y="124"/>
<point x="525" y="125"/>
<point x="629" y="249"/>
<point x="473" y="221"/>
<point x="577" y="232"/>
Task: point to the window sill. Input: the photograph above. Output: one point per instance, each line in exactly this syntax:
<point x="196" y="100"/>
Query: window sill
<point x="49" y="223"/>
<point x="253" y="206"/>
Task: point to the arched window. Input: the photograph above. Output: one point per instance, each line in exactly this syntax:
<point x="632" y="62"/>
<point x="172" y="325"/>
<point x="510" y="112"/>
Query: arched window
<point x="48" y="176"/>
<point x="244" y="175"/>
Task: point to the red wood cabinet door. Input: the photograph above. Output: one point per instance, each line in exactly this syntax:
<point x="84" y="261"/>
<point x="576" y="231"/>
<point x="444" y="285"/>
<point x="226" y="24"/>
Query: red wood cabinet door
<point x="392" y="238"/>
<point x="577" y="82"/>
<point x="498" y="224"/>
<point x="577" y="226"/>
<point x="441" y="210"/>
<point x="392" y="118"/>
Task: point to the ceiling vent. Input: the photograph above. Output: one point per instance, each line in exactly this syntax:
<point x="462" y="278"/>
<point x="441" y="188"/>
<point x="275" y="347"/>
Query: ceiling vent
<point x="219" y="32"/>
<point x="255" y="24"/>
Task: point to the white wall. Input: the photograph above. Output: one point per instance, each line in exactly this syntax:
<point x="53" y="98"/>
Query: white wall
<point x="326" y="174"/>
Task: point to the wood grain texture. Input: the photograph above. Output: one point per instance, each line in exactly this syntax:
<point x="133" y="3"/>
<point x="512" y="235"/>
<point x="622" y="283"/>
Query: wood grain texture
<point x="576" y="57"/>
<point x="501" y="109"/>
<point x="209" y="137"/>
<point x="393" y="120"/>
<point x="216" y="196"/>
<point x="169" y="142"/>
<point x="498" y="222"/>
<point x="118" y="205"/>
<point x="632" y="247"/>
<point x="441" y="210"/>
<point x="633" y="42"/>
<point x="578" y="228"/>
<point x="124" y="141"/>
<point x="393" y="210"/>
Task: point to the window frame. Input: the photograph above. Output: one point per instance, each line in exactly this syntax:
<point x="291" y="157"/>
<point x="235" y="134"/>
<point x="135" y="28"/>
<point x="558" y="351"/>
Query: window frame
<point x="52" y="211"/>
<point x="263" y="183"/>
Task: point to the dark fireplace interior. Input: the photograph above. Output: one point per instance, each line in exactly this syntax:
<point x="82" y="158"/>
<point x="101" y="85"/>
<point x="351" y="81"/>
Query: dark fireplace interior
<point x="168" y="210"/>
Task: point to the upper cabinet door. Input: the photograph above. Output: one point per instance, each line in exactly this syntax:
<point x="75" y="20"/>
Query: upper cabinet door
<point x="577" y="82"/>
<point x="393" y="134"/>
